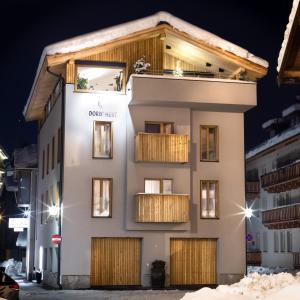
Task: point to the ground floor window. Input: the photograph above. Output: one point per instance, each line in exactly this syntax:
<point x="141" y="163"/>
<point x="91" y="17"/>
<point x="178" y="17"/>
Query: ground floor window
<point x="265" y="241"/>
<point x="102" y="140"/>
<point x="102" y="197"/>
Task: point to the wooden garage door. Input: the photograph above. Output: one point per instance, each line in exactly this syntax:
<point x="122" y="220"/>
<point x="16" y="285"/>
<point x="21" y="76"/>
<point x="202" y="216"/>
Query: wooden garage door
<point x="192" y="261"/>
<point x="115" y="261"/>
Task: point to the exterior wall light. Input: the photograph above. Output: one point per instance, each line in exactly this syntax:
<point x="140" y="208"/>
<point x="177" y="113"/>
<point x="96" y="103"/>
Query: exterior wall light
<point x="248" y="212"/>
<point x="53" y="211"/>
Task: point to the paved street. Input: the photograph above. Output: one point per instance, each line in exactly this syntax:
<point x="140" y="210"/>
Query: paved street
<point x="35" y="292"/>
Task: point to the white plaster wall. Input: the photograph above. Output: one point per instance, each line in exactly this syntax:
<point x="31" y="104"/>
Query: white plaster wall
<point x="45" y="231"/>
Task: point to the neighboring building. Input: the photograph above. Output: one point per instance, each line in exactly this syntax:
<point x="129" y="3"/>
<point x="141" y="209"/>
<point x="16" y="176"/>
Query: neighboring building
<point x="142" y="163"/>
<point x="3" y="157"/>
<point x="289" y="57"/>
<point x="273" y="191"/>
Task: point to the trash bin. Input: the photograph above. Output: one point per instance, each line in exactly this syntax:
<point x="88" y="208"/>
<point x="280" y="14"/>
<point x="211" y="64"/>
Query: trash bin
<point x="38" y="276"/>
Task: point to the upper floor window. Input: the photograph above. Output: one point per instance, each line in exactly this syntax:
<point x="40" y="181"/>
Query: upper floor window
<point x="158" y="186"/>
<point x="102" y="197"/>
<point x="102" y="140"/>
<point x="209" y="194"/>
<point x="99" y="76"/>
<point x="209" y="143"/>
<point x="159" y="127"/>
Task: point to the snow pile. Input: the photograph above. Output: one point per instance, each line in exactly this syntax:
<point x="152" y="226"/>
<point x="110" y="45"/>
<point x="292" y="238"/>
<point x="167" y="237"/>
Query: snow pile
<point x="253" y="287"/>
<point x="12" y="267"/>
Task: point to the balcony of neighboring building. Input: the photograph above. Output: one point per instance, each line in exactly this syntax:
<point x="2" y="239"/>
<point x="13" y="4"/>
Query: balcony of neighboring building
<point x="161" y="144"/>
<point x="283" y="179"/>
<point x="252" y="189"/>
<point x="158" y="204"/>
<point x="282" y="217"/>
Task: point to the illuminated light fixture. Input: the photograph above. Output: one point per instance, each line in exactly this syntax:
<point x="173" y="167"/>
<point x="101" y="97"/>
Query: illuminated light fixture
<point x="248" y="212"/>
<point x="53" y="210"/>
<point x="178" y="71"/>
<point x="26" y="213"/>
<point x="2" y="172"/>
<point x="2" y="155"/>
<point x="1" y="217"/>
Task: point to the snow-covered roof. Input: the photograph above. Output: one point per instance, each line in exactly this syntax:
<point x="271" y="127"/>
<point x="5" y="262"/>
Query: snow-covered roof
<point x="108" y="34"/>
<point x="291" y="109"/>
<point x="287" y="33"/>
<point x="270" y="122"/>
<point x="277" y="139"/>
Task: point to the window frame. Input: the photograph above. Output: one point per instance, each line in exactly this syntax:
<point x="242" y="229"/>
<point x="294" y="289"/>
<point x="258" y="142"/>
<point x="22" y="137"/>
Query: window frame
<point x="161" y="182"/>
<point x="99" y="64"/>
<point x="207" y="127"/>
<point x="111" y="140"/>
<point x="162" y="124"/>
<point x="217" y="199"/>
<point x="48" y="159"/>
<point x="53" y="153"/>
<point x="43" y="164"/>
<point x="110" y="196"/>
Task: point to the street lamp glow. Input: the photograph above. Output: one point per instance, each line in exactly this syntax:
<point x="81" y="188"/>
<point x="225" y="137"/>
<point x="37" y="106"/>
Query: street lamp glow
<point x="248" y="212"/>
<point x="26" y="213"/>
<point x="53" y="210"/>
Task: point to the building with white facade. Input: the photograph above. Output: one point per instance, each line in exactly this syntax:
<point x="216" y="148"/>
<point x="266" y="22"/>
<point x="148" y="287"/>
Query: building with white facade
<point x="273" y="192"/>
<point x="141" y="155"/>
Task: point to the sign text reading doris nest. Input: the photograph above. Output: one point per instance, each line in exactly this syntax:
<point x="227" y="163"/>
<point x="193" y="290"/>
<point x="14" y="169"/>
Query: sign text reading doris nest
<point x="96" y="113"/>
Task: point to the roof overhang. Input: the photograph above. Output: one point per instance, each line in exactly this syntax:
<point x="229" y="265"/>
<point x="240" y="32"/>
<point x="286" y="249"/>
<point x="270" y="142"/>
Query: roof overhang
<point x="56" y="55"/>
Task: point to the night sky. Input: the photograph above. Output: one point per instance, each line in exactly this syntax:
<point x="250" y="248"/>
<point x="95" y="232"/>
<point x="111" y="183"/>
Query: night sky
<point x="26" y="28"/>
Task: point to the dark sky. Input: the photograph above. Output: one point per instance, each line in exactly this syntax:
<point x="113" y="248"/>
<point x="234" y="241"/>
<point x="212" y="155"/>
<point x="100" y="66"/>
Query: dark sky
<point x="28" y="26"/>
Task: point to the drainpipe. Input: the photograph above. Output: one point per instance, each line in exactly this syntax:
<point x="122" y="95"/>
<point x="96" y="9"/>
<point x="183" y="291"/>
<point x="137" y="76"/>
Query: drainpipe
<point x="62" y="146"/>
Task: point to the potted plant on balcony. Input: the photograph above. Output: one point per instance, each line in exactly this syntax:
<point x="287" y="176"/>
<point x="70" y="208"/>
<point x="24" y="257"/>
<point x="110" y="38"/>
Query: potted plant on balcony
<point x="158" y="274"/>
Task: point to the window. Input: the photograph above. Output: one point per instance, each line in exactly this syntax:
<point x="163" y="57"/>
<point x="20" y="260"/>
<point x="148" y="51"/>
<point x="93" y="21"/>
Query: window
<point x="265" y="241"/>
<point x="289" y="241"/>
<point x="53" y="152"/>
<point x="58" y="145"/>
<point x="276" y="241"/>
<point x="282" y="241"/>
<point x="257" y="239"/>
<point x="100" y="77"/>
<point x="102" y="140"/>
<point x="102" y="197"/>
<point x="209" y="136"/>
<point x="158" y="186"/>
<point x="48" y="158"/>
<point x="45" y="259"/>
<point x="159" y="127"/>
<point x="209" y="201"/>
<point x="43" y="163"/>
<point x="42" y="208"/>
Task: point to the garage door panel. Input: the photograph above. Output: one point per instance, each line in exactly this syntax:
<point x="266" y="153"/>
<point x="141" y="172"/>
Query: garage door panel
<point x="115" y="261"/>
<point x="192" y="261"/>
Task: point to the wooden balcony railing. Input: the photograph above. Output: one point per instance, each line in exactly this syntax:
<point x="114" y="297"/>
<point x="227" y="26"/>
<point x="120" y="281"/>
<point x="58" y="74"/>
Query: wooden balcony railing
<point x="252" y="189"/>
<point x="296" y="260"/>
<point x="156" y="147"/>
<point x="254" y="258"/>
<point x="282" y="217"/>
<point x="162" y="208"/>
<point x="283" y="179"/>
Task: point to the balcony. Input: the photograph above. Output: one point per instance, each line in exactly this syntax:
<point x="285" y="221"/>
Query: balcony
<point x="157" y="147"/>
<point x="162" y="208"/>
<point x="252" y="189"/>
<point x="282" y="217"/>
<point x="254" y="258"/>
<point x="283" y="179"/>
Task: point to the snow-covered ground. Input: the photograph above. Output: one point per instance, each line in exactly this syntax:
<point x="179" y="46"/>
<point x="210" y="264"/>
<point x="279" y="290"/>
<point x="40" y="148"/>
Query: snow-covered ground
<point x="282" y="286"/>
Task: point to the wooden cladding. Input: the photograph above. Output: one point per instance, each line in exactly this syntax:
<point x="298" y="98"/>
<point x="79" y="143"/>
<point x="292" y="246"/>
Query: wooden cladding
<point x="193" y="261"/>
<point x="282" y="217"/>
<point x="252" y="187"/>
<point x="283" y="179"/>
<point x="162" y="208"/>
<point x="254" y="258"/>
<point x="115" y="261"/>
<point x="169" y="148"/>
<point x="151" y="48"/>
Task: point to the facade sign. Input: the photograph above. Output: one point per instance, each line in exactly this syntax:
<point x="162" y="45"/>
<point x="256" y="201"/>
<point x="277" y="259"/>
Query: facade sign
<point x="56" y="239"/>
<point x="18" y="222"/>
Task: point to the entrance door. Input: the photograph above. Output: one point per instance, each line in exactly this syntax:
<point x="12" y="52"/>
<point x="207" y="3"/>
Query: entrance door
<point x="192" y="261"/>
<point x="116" y="261"/>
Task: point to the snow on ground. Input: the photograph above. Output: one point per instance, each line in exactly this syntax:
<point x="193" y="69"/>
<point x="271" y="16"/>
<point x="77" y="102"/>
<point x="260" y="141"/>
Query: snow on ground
<point x="282" y="286"/>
